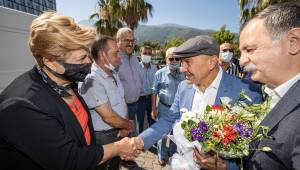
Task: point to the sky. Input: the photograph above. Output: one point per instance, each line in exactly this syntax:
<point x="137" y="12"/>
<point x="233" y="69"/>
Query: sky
<point x="201" y="14"/>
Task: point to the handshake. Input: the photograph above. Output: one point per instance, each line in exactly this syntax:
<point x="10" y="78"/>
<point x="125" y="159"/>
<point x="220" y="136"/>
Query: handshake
<point x="129" y="148"/>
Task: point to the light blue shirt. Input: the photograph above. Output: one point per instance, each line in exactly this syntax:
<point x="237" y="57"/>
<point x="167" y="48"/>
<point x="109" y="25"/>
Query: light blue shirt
<point x="99" y="88"/>
<point x="129" y="76"/>
<point x="165" y="85"/>
<point x="147" y="76"/>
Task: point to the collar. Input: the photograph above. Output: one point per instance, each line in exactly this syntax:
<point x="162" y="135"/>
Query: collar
<point x="281" y="90"/>
<point x="215" y="84"/>
<point x="61" y="90"/>
<point x="144" y="66"/>
<point x="97" y="70"/>
<point x="122" y="53"/>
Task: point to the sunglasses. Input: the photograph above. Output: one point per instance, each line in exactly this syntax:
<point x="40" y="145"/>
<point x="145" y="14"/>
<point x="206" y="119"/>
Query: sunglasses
<point x="172" y="59"/>
<point x="147" y="53"/>
<point x="225" y="50"/>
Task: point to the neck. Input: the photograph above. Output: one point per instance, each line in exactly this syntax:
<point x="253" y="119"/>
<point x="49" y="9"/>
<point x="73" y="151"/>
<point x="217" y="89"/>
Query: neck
<point x="225" y="66"/>
<point x="208" y="80"/>
<point x="127" y="55"/>
<point x="147" y="65"/>
<point x="106" y="70"/>
<point x="59" y="81"/>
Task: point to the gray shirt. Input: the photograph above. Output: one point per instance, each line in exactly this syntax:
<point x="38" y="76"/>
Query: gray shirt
<point x="99" y="88"/>
<point x="147" y="76"/>
<point x="129" y="76"/>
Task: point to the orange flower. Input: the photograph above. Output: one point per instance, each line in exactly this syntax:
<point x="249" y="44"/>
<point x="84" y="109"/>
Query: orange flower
<point x="217" y="107"/>
<point x="230" y="117"/>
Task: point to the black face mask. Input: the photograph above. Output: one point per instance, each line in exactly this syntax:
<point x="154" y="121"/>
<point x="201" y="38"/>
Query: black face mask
<point x="76" y="72"/>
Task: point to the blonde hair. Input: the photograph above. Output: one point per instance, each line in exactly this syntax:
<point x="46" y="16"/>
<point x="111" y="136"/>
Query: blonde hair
<point x="53" y="35"/>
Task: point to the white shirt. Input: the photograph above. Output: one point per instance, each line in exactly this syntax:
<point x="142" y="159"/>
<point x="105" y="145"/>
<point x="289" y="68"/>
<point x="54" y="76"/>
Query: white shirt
<point x="201" y="100"/>
<point x="277" y="93"/>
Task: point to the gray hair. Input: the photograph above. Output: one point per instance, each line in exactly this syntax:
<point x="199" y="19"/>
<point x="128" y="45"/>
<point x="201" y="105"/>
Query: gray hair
<point x="123" y="30"/>
<point x="170" y="51"/>
<point x="280" y="18"/>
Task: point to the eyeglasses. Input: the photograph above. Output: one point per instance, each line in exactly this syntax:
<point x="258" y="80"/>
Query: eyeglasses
<point x="172" y="59"/>
<point x="129" y="41"/>
<point x="225" y="50"/>
<point x="147" y="53"/>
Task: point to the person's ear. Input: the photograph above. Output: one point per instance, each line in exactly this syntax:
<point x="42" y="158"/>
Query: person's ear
<point x="214" y="60"/>
<point x="49" y="63"/>
<point x="293" y="37"/>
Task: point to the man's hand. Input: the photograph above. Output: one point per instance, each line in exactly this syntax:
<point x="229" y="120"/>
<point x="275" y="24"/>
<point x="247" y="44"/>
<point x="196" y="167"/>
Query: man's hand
<point x="154" y="114"/>
<point x="130" y="125"/>
<point x="209" y="161"/>
<point x="123" y="133"/>
<point x="139" y="142"/>
<point x="128" y="149"/>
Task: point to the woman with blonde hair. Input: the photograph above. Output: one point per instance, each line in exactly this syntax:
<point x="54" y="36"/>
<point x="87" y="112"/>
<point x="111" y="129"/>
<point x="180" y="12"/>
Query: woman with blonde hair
<point x="44" y="123"/>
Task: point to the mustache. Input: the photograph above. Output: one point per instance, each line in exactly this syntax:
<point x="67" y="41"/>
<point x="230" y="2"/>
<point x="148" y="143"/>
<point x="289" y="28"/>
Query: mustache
<point x="250" y="67"/>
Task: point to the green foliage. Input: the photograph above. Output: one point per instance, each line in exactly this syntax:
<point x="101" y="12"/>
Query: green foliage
<point x="223" y="35"/>
<point x="153" y="44"/>
<point x="114" y="14"/>
<point x="248" y="8"/>
<point x="174" y="42"/>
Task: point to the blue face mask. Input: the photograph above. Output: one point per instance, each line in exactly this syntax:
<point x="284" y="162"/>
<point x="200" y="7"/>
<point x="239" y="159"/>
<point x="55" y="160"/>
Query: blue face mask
<point x="174" y="66"/>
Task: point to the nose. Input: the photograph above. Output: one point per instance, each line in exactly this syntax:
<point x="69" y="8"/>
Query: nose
<point x="244" y="60"/>
<point x="184" y="67"/>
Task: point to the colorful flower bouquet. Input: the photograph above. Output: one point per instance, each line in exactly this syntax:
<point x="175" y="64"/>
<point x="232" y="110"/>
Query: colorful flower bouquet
<point x="226" y="129"/>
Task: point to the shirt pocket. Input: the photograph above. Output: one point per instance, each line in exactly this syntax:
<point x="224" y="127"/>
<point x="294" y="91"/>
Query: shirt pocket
<point x="114" y="98"/>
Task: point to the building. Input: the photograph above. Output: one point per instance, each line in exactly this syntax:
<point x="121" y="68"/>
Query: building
<point x="16" y="57"/>
<point x="35" y="7"/>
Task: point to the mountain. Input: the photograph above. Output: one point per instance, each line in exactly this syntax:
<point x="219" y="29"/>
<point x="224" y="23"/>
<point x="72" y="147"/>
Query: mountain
<point x="162" y="33"/>
<point x="165" y="32"/>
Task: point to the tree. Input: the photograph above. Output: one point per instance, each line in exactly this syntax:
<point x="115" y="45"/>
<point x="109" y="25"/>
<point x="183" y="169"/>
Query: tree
<point x="107" y="18"/>
<point x="113" y="14"/>
<point x="248" y="8"/>
<point x="134" y="11"/>
<point x="153" y="44"/>
<point x="223" y="35"/>
<point x="174" y="42"/>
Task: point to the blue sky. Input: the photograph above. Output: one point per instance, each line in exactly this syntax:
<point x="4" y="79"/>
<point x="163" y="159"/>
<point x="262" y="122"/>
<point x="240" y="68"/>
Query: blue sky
<point x="202" y="14"/>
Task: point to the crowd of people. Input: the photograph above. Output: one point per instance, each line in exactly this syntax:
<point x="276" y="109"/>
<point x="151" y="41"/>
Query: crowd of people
<point x="83" y="105"/>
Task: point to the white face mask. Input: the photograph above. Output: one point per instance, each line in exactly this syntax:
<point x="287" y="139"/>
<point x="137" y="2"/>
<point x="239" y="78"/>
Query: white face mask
<point x="109" y="66"/>
<point x="146" y="59"/>
<point x="226" y="56"/>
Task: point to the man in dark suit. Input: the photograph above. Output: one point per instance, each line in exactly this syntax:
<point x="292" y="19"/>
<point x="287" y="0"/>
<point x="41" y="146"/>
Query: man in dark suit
<point x="271" y="42"/>
<point x="270" y="48"/>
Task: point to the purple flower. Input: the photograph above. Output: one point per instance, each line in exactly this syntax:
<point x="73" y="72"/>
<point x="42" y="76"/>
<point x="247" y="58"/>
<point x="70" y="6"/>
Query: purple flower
<point x="238" y="127"/>
<point x="242" y="130"/>
<point x="196" y="134"/>
<point x="247" y="132"/>
<point x="203" y="126"/>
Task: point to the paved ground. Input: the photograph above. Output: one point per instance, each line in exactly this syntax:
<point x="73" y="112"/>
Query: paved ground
<point x="147" y="161"/>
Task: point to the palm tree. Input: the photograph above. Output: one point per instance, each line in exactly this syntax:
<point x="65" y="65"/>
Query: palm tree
<point x="107" y="17"/>
<point x="134" y="11"/>
<point x="248" y="8"/>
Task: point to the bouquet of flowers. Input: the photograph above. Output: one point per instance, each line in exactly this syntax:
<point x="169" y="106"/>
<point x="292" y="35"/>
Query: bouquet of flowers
<point x="225" y="129"/>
